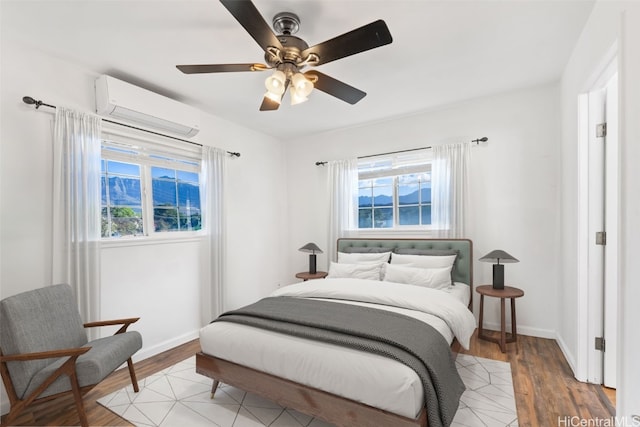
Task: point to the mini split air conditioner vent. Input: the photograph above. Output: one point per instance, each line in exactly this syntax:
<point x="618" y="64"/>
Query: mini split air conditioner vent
<point x="124" y="101"/>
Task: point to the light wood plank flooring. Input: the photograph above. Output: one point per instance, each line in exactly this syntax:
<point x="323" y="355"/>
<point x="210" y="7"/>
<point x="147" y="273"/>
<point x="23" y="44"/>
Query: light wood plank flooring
<point x="544" y="386"/>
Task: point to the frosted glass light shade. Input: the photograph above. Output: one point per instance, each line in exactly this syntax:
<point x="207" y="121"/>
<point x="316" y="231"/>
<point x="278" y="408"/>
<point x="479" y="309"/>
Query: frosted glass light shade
<point x="275" y="83"/>
<point x="302" y="85"/>
<point x="296" y="97"/>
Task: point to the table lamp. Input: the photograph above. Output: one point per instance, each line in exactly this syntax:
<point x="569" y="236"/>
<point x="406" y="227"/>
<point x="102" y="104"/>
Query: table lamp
<point x="498" y="269"/>
<point x="312" y="248"/>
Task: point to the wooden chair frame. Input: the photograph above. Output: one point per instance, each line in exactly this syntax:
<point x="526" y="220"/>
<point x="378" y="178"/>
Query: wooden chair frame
<point x="68" y="368"/>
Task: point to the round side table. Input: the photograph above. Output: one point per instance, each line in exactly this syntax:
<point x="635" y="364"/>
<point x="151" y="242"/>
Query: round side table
<point x="508" y="292"/>
<point x="305" y="275"/>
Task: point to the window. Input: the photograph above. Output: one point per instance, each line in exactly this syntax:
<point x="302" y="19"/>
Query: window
<point x="394" y="192"/>
<point x="176" y="199"/>
<point x="121" y="199"/>
<point x="148" y="189"/>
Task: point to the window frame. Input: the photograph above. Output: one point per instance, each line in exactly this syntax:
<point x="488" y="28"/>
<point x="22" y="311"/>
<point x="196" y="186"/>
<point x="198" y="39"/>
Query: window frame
<point x="394" y="166"/>
<point x="148" y="153"/>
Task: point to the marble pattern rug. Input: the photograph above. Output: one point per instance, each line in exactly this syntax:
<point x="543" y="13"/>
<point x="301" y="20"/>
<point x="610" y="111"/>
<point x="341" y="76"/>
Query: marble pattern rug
<point x="178" y="396"/>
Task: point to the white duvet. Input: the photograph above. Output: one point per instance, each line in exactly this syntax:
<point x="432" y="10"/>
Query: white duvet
<point x="426" y="300"/>
<point x="368" y="378"/>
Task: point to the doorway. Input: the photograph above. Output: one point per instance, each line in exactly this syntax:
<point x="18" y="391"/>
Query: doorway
<point x="598" y="244"/>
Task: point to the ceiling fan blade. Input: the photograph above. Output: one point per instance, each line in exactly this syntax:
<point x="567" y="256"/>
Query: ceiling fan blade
<point x="361" y="39"/>
<point x="269" y="104"/>
<point x="220" y="68"/>
<point x="250" y="18"/>
<point x="335" y="87"/>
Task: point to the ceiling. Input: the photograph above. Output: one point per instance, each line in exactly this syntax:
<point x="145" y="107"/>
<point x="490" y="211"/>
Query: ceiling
<point x="442" y="52"/>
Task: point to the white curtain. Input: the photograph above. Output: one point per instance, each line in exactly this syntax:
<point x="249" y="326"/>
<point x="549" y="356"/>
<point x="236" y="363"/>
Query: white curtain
<point x="213" y="221"/>
<point x="343" y="190"/>
<point x="76" y="207"/>
<point x="449" y="189"/>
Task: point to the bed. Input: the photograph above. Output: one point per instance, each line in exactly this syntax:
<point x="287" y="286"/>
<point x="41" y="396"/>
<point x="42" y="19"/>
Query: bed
<point x="344" y="385"/>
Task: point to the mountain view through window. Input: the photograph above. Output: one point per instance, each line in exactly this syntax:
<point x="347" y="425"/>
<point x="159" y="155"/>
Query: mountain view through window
<point x="175" y="198"/>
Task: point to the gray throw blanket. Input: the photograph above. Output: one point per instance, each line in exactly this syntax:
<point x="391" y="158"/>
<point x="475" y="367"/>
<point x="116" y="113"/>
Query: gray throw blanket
<point x="390" y="334"/>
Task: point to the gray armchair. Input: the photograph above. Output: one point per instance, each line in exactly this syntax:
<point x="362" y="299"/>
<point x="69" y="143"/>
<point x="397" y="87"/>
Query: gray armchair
<point x="44" y="350"/>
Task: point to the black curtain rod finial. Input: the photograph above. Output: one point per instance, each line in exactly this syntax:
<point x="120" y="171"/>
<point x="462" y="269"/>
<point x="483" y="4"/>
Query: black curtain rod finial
<point x="30" y="101"/>
<point x="479" y="140"/>
<point x="321" y="163"/>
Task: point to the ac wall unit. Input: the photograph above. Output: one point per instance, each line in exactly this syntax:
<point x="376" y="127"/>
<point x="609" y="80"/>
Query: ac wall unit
<point x="122" y="100"/>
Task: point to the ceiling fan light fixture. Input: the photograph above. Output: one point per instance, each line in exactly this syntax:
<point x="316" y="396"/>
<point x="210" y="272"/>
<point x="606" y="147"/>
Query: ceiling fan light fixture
<point x="302" y="85"/>
<point x="296" y="96"/>
<point x="275" y="83"/>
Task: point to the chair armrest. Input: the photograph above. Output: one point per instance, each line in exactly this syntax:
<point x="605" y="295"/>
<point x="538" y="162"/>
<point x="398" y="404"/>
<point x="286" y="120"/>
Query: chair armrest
<point x="44" y="354"/>
<point x="124" y="322"/>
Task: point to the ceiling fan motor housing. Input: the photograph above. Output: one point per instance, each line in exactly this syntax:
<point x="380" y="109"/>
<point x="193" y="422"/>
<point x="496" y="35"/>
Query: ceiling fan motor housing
<point x="291" y="52"/>
<point x="286" y="23"/>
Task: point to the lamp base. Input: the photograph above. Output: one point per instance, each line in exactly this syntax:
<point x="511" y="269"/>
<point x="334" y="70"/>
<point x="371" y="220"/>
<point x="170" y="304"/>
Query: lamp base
<point x="498" y="276"/>
<point x="312" y="264"/>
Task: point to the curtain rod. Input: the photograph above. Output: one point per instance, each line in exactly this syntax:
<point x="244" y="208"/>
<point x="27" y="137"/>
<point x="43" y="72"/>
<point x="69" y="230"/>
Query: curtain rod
<point x="29" y="100"/>
<point x="477" y="141"/>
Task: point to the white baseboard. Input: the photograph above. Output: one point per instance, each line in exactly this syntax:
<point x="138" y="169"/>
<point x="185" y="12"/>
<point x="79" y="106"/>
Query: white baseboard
<point x="523" y="330"/>
<point x="567" y="355"/>
<point x="147" y="352"/>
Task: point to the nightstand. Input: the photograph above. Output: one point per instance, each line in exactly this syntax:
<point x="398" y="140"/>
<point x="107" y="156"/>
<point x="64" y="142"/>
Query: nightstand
<point x="508" y="292"/>
<point x="305" y="275"/>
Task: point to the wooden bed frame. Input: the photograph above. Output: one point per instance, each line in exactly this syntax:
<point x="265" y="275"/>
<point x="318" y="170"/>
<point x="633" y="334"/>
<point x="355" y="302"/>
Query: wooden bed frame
<point x="320" y="404"/>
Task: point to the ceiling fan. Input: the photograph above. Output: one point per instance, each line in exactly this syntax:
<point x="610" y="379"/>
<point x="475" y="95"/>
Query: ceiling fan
<point x="288" y="55"/>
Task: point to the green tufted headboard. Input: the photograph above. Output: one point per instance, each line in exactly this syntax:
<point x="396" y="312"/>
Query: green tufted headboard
<point x="463" y="269"/>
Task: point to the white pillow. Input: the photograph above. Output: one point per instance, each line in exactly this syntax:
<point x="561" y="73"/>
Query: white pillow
<point x="424" y="261"/>
<point x="360" y="258"/>
<point x="436" y="278"/>
<point x="355" y="271"/>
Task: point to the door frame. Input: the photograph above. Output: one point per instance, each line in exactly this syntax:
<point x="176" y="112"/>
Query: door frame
<point x="590" y="297"/>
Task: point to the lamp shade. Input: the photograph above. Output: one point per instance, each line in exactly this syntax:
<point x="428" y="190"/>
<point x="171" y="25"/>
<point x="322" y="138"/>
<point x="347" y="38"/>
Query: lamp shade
<point x="311" y="248"/>
<point x="498" y="256"/>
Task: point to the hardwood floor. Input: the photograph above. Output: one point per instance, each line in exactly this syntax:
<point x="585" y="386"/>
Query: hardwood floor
<point x="544" y="387"/>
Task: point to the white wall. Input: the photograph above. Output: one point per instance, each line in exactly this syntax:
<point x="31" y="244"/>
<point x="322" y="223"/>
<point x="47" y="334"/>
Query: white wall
<point x="514" y="186"/>
<point x="596" y="41"/>
<point x="158" y="282"/>
<point x="610" y="22"/>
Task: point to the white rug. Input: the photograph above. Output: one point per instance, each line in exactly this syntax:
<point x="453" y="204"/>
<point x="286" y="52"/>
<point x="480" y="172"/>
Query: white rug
<point x="179" y="397"/>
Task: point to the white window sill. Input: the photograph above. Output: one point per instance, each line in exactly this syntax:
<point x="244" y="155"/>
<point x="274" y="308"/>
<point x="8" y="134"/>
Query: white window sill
<point x="151" y="240"/>
<point x="392" y="232"/>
